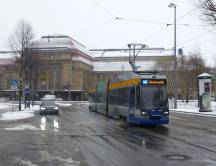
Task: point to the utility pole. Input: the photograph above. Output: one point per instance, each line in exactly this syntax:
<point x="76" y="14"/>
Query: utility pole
<point x="175" y="62"/>
<point x="20" y="79"/>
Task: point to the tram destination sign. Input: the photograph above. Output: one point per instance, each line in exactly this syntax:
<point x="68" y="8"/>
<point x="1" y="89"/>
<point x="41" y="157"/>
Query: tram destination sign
<point x="153" y="82"/>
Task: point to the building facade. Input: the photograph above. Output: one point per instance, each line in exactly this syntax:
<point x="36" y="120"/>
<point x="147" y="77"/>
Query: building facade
<point x="68" y="69"/>
<point x="65" y="68"/>
<point x="115" y="62"/>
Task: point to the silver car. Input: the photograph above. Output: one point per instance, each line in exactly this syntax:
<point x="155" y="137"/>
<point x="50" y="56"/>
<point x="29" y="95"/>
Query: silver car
<point x="49" y="107"/>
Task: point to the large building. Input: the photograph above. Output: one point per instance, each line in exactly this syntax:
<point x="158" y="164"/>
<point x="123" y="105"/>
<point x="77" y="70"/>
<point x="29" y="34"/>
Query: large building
<point x="112" y="62"/>
<point x="65" y="68"/>
<point x="7" y="73"/>
<point x="68" y="69"/>
<point x="67" y="64"/>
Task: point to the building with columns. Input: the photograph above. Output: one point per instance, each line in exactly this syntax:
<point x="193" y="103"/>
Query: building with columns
<point x="65" y="69"/>
<point x="66" y="64"/>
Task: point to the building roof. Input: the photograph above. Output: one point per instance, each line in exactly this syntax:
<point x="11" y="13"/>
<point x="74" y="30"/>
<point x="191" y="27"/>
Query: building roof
<point x="103" y="53"/>
<point x="123" y="66"/>
<point x="118" y="59"/>
<point x="60" y="43"/>
<point x="204" y="75"/>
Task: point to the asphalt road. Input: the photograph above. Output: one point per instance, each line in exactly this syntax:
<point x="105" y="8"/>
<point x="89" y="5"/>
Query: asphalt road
<point x="78" y="137"/>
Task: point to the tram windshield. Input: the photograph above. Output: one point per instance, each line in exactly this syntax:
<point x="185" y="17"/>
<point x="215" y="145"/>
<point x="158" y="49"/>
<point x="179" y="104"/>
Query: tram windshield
<point x="154" y="97"/>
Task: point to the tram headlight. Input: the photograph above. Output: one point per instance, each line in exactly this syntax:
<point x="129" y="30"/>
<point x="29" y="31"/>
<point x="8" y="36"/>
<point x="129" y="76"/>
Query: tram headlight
<point x="166" y="112"/>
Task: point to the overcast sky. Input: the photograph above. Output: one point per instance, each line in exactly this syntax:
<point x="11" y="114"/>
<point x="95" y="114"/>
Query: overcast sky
<point x="93" y="23"/>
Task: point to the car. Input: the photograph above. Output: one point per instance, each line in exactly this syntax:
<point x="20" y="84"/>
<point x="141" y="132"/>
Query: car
<point x="49" y="107"/>
<point x="51" y="97"/>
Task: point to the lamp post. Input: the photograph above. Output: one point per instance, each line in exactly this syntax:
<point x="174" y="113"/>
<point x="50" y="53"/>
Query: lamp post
<point x="175" y="63"/>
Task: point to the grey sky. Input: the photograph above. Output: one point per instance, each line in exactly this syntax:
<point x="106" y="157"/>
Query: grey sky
<point x="90" y="24"/>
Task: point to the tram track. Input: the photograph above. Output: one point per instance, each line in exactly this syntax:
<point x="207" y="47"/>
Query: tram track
<point x="90" y="130"/>
<point x="150" y="133"/>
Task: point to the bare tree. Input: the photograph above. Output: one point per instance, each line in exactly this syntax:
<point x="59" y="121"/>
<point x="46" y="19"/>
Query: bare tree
<point x="188" y="68"/>
<point x="193" y="66"/>
<point x="20" y="42"/>
<point x="208" y="9"/>
<point x="166" y="66"/>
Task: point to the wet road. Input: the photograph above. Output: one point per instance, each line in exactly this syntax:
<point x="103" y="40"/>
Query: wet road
<point x="78" y="137"/>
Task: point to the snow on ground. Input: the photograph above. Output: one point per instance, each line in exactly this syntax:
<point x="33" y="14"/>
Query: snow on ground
<point x="16" y="115"/>
<point x="192" y="107"/>
<point x="5" y="106"/>
<point x="64" y="104"/>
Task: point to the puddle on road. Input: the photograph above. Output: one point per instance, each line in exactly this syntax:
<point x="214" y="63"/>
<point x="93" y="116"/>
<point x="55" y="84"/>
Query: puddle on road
<point x="178" y="157"/>
<point x="45" y="125"/>
<point x="56" y="125"/>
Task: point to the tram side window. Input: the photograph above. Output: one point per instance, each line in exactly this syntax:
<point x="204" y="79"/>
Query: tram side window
<point x="113" y="97"/>
<point x="132" y="96"/>
<point x="123" y="96"/>
<point x="119" y="97"/>
<point x="138" y="96"/>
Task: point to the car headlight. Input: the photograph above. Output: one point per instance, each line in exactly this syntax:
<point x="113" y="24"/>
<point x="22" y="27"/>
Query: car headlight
<point x="56" y="108"/>
<point x="144" y="113"/>
<point x="42" y="108"/>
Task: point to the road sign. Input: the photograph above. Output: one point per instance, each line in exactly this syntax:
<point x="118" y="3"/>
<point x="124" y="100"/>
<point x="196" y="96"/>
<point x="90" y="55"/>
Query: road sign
<point x="14" y="84"/>
<point x="180" y="51"/>
<point x="27" y="90"/>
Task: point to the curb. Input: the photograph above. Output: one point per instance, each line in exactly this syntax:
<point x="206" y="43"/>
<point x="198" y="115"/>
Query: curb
<point x="193" y="113"/>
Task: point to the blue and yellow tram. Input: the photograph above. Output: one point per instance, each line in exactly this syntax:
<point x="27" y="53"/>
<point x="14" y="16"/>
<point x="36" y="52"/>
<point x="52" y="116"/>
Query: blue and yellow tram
<point x="141" y="98"/>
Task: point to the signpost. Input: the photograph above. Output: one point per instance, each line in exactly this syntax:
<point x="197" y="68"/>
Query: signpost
<point x="14" y="84"/>
<point x="27" y="92"/>
<point x="14" y="87"/>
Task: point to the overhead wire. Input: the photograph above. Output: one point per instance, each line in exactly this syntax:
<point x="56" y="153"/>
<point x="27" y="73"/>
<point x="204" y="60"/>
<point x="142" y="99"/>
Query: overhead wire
<point x="104" y="9"/>
<point x="195" y="37"/>
<point x="101" y="24"/>
<point x="198" y="36"/>
<point x="164" y="28"/>
<point x="155" y="33"/>
<point x="155" y="22"/>
<point x="187" y="13"/>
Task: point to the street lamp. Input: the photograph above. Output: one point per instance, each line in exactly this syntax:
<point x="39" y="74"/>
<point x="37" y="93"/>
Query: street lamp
<point x="175" y="85"/>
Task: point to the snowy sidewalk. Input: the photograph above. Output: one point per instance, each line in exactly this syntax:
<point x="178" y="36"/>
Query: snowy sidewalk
<point x="192" y="108"/>
<point x="16" y="115"/>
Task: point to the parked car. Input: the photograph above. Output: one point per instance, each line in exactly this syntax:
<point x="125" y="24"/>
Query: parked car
<point x="49" y="107"/>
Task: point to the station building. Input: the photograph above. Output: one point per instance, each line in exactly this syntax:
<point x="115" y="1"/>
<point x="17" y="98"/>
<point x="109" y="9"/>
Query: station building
<point x="111" y="63"/>
<point x="68" y="69"/>
<point x="66" y="66"/>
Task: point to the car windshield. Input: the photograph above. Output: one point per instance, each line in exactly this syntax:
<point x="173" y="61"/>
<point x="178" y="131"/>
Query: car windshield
<point x="48" y="103"/>
<point x="154" y="97"/>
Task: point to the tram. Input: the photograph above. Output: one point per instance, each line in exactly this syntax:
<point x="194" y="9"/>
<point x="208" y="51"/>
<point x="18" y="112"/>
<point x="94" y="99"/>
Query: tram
<point x="140" y="98"/>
